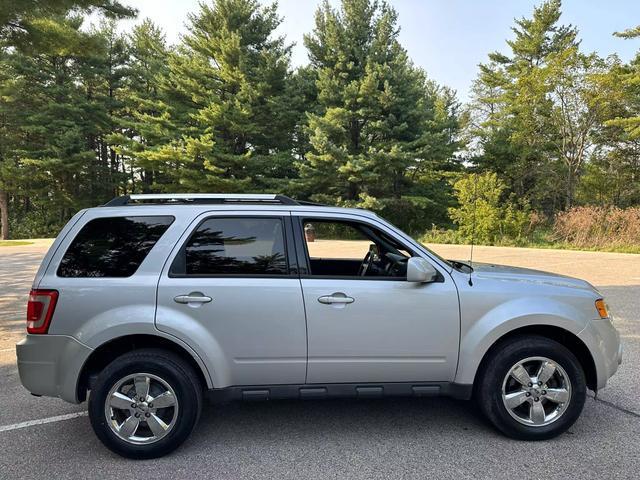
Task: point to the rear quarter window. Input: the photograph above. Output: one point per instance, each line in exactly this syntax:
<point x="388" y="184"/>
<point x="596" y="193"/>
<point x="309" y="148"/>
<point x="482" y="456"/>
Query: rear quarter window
<point x="112" y="246"/>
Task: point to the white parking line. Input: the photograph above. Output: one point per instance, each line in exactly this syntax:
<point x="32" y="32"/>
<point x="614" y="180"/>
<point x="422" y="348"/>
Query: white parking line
<point x="41" y="421"/>
<point x="7" y="349"/>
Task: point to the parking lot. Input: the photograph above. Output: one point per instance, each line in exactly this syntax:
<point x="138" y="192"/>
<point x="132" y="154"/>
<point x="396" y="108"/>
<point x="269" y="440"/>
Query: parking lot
<point x="395" y="438"/>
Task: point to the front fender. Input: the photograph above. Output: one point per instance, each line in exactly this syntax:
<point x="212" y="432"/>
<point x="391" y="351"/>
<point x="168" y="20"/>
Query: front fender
<point x="480" y="335"/>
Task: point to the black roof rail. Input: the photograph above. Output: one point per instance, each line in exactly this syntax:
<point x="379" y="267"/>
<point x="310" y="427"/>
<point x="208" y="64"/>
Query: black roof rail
<point x="311" y="204"/>
<point x="117" y="201"/>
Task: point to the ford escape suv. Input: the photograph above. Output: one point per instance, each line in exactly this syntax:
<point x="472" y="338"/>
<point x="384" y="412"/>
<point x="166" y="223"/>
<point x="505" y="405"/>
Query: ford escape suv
<point x="146" y="304"/>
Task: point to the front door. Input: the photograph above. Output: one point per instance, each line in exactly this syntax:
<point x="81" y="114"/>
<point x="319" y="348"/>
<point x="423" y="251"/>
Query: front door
<point x="231" y="292"/>
<point x="365" y="322"/>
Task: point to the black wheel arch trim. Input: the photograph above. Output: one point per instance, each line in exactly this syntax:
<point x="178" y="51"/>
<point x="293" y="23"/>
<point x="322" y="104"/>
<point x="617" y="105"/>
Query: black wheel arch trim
<point x="110" y="350"/>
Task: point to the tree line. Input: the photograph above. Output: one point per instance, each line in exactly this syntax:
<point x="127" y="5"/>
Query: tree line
<point x="90" y="113"/>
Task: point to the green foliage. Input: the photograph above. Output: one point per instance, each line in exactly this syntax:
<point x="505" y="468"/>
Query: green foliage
<point x="90" y="113"/>
<point x="379" y="116"/>
<point x="39" y="25"/>
<point x="225" y="116"/>
<point x="514" y="103"/>
<point x="411" y="214"/>
<point x="441" y="235"/>
<point x="627" y="115"/>
<point x="58" y="108"/>
<point x="484" y="214"/>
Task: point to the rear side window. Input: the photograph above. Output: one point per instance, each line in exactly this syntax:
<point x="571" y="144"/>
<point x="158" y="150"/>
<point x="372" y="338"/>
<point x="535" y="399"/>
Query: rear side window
<point x="234" y="246"/>
<point x="112" y="246"/>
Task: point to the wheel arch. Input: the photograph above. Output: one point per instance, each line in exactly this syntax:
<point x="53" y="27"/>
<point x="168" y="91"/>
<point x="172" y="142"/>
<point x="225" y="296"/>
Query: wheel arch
<point x="108" y="351"/>
<point x="568" y="339"/>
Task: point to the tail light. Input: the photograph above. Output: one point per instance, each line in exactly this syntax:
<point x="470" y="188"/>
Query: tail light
<point x="40" y="309"/>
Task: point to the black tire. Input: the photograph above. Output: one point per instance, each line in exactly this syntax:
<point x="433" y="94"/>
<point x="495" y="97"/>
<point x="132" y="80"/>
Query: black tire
<point x="498" y="364"/>
<point x="177" y="373"/>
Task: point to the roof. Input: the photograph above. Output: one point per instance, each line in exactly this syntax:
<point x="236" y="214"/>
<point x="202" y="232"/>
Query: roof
<point x="225" y="200"/>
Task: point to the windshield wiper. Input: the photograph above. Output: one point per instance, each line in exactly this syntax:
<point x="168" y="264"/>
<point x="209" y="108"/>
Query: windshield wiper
<point x="460" y="265"/>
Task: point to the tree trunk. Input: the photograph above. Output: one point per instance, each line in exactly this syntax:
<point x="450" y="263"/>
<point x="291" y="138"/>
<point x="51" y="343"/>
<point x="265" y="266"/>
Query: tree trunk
<point x="4" y="215"/>
<point x="570" y="188"/>
<point x="352" y="191"/>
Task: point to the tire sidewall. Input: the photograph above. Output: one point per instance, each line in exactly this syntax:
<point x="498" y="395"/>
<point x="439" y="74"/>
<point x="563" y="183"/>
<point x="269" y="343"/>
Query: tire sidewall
<point x="172" y="372"/>
<point x="498" y="367"/>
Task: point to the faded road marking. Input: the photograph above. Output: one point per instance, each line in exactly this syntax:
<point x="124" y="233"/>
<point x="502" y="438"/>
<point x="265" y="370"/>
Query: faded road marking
<point x="41" y="421"/>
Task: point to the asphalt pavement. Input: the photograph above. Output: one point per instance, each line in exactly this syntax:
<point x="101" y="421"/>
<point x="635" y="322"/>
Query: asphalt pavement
<point x="428" y="438"/>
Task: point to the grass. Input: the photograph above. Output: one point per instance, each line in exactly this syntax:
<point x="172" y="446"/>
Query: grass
<point x="569" y="246"/>
<point x="539" y="240"/>
<point x="14" y="243"/>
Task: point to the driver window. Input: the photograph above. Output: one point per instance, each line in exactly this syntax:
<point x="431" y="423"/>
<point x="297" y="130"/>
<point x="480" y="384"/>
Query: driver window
<point x="352" y="249"/>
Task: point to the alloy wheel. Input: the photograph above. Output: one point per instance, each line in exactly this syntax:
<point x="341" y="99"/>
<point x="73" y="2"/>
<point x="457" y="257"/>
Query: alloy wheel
<point x="536" y="391"/>
<point x="141" y="408"/>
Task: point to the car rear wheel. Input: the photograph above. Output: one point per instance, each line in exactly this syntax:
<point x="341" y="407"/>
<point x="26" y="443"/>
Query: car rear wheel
<point x="145" y="403"/>
<point x="531" y="388"/>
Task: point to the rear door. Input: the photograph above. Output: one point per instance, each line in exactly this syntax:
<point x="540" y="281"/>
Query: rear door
<point x="232" y="291"/>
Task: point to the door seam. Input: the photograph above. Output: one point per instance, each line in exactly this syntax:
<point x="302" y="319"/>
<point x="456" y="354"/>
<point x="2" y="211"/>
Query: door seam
<point x="294" y="225"/>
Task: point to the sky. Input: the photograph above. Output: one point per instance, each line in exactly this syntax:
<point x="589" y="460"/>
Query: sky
<point x="447" y="38"/>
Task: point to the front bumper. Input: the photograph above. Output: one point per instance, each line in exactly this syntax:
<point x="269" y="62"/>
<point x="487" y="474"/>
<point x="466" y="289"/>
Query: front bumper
<point x="603" y="340"/>
<point x="50" y="365"/>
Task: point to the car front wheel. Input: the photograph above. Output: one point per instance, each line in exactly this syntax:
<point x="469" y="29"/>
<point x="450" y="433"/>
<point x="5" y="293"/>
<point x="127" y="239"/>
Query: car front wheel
<point x="145" y="403"/>
<point x="531" y="388"/>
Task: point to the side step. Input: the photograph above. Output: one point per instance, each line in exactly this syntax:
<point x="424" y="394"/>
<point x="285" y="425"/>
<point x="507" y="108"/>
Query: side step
<point x="341" y="390"/>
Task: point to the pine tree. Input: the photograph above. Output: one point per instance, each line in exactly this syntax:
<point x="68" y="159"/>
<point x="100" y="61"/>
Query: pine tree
<point x="59" y="108"/>
<point x="612" y="176"/>
<point x="629" y="77"/>
<point x="225" y="112"/>
<point x="103" y="75"/>
<point x="374" y="105"/>
<point x="39" y="25"/>
<point x="39" y="131"/>
<point x="141" y="97"/>
<point x="512" y="106"/>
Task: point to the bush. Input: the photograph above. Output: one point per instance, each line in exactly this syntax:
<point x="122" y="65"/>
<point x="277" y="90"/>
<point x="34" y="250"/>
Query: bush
<point x="598" y="227"/>
<point x="484" y="214"/>
<point x="35" y="223"/>
<point x="439" y="235"/>
<point x="412" y="214"/>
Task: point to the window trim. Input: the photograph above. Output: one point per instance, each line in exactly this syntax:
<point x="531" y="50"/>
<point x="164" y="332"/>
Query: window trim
<point x="303" y="252"/>
<point x="58" y="264"/>
<point x="289" y="250"/>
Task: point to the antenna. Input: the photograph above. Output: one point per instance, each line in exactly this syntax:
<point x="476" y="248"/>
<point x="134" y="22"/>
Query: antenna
<point x="473" y="225"/>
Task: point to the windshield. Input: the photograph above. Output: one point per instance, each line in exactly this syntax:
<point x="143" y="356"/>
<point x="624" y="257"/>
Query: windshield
<point x="443" y="260"/>
<point x="459" y="265"/>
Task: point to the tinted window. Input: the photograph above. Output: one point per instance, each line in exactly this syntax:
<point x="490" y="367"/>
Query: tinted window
<point x="232" y="246"/>
<point x="112" y="246"/>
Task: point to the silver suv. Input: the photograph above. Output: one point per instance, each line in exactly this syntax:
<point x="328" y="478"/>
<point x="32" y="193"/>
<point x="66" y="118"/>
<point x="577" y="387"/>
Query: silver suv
<point x="152" y="301"/>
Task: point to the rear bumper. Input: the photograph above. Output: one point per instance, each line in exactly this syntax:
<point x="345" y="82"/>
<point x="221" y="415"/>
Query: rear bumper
<point x="50" y="365"/>
<point x="603" y="341"/>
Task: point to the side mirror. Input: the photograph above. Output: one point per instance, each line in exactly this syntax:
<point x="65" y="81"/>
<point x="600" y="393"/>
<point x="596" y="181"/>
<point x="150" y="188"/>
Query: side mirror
<point x="421" y="271"/>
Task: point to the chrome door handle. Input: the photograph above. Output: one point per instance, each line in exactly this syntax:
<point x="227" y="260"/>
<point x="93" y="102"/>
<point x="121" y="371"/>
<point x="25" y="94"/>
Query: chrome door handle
<point x="335" y="298"/>
<point x="191" y="298"/>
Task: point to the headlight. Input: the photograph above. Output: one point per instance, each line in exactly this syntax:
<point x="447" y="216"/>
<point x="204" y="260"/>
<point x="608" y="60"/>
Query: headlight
<point x="601" y="306"/>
